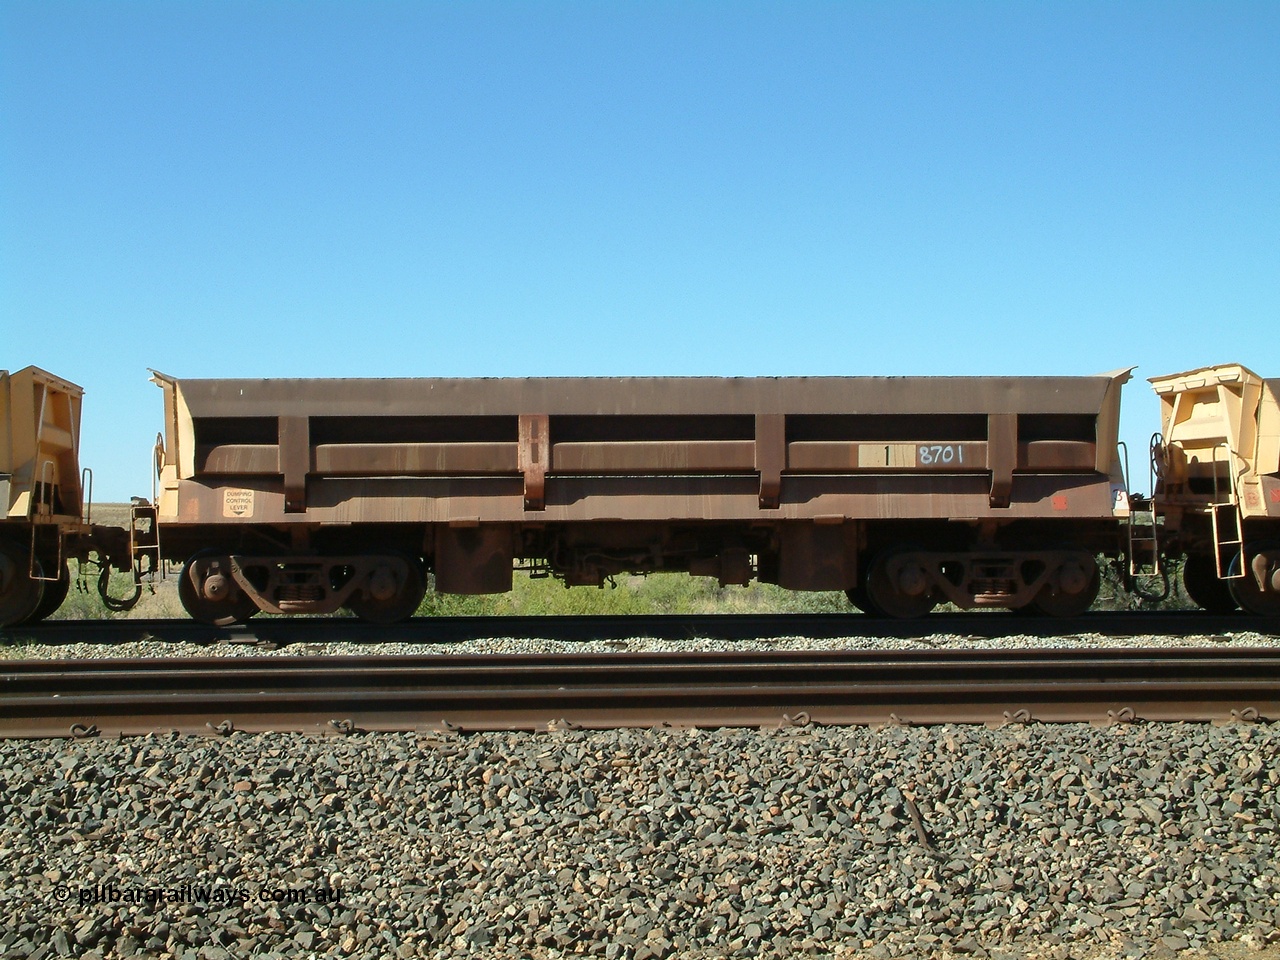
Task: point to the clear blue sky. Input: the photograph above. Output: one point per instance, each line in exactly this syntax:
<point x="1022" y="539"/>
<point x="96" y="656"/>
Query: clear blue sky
<point x="508" y="189"/>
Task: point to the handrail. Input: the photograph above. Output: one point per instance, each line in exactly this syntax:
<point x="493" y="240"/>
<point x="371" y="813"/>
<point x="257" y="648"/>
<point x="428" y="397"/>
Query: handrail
<point x="44" y="496"/>
<point x="86" y="492"/>
<point x="1231" y="475"/>
<point x="45" y="500"/>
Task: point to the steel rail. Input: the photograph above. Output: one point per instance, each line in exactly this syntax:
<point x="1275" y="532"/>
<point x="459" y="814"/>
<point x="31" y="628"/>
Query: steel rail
<point x="40" y="698"/>
<point x="976" y="625"/>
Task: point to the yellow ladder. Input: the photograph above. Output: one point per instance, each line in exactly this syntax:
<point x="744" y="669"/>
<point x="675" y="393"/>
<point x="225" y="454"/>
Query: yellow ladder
<point x="144" y="538"/>
<point x="1144" y="542"/>
<point x="1228" y="540"/>
<point x="1228" y="532"/>
<point x="1144" y="550"/>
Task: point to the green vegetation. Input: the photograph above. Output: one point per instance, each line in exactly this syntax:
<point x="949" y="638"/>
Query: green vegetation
<point x="659" y="593"/>
<point x="679" y="593"/>
<point x="1113" y="596"/>
<point x="158" y="601"/>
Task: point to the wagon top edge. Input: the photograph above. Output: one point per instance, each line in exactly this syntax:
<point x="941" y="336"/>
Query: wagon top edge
<point x="643" y="395"/>
<point x="1123" y="374"/>
<point x="40" y="375"/>
<point x="1203" y="376"/>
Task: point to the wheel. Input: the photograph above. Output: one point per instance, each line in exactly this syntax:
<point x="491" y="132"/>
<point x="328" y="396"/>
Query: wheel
<point x="1246" y="591"/>
<point x="1072" y="590"/>
<point x="859" y="600"/>
<point x="898" y="587"/>
<point x="210" y="594"/>
<point x="20" y="595"/>
<point x="393" y="591"/>
<point x="55" y="591"/>
<point x="1200" y="581"/>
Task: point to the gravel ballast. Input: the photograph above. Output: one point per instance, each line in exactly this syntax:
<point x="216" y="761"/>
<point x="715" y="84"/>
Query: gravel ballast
<point x="1055" y="840"/>
<point x="521" y="645"/>
<point x="1130" y="840"/>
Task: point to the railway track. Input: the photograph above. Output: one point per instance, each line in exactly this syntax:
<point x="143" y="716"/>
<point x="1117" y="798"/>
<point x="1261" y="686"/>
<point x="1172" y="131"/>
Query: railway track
<point x="281" y="631"/>
<point x="343" y="695"/>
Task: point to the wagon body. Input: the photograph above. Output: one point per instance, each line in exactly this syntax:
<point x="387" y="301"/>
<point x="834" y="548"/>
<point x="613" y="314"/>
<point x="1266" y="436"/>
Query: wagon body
<point x="1218" y="497"/>
<point x="1221" y="431"/>
<point x="798" y="481"/>
<point x="40" y="491"/>
<point x="40" y="447"/>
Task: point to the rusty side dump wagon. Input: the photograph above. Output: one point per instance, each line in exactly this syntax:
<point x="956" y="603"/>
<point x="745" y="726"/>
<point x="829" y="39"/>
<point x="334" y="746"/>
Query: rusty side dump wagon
<point x="310" y="495"/>
<point x="1218" y="489"/>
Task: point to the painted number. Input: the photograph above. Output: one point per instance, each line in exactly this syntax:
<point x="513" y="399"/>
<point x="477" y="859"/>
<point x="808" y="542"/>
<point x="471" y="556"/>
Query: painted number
<point x="932" y="454"/>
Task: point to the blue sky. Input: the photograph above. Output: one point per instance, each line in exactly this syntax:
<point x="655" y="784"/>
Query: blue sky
<point x="510" y="189"/>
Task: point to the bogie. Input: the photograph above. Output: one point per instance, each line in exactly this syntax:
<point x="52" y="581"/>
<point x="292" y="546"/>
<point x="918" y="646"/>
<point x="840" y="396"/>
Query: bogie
<point x="1255" y="585"/>
<point x="209" y="591"/>
<point x="20" y="592"/>
<point x="53" y="594"/>
<point x="1203" y="587"/>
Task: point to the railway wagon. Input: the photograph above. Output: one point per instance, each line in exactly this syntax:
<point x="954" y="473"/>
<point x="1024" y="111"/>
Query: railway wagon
<point x="1217" y="494"/>
<point x="312" y="495"/>
<point x="43" y="495"/>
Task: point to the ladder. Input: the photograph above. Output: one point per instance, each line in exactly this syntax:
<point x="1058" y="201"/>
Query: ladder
<point x="144" y="538"/>
<point x="43" y="508"/>
<point x="1228" y="532"/>
<point x="1228" y="540"/>
<point x="1144" y="539"/>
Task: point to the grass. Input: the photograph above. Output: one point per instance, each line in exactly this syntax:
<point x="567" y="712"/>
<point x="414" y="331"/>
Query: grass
<point x="656" y="594"/>
<point x="159" y="600"/>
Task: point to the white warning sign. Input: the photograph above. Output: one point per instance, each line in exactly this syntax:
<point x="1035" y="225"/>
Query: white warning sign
<point x="237" y="502"/>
